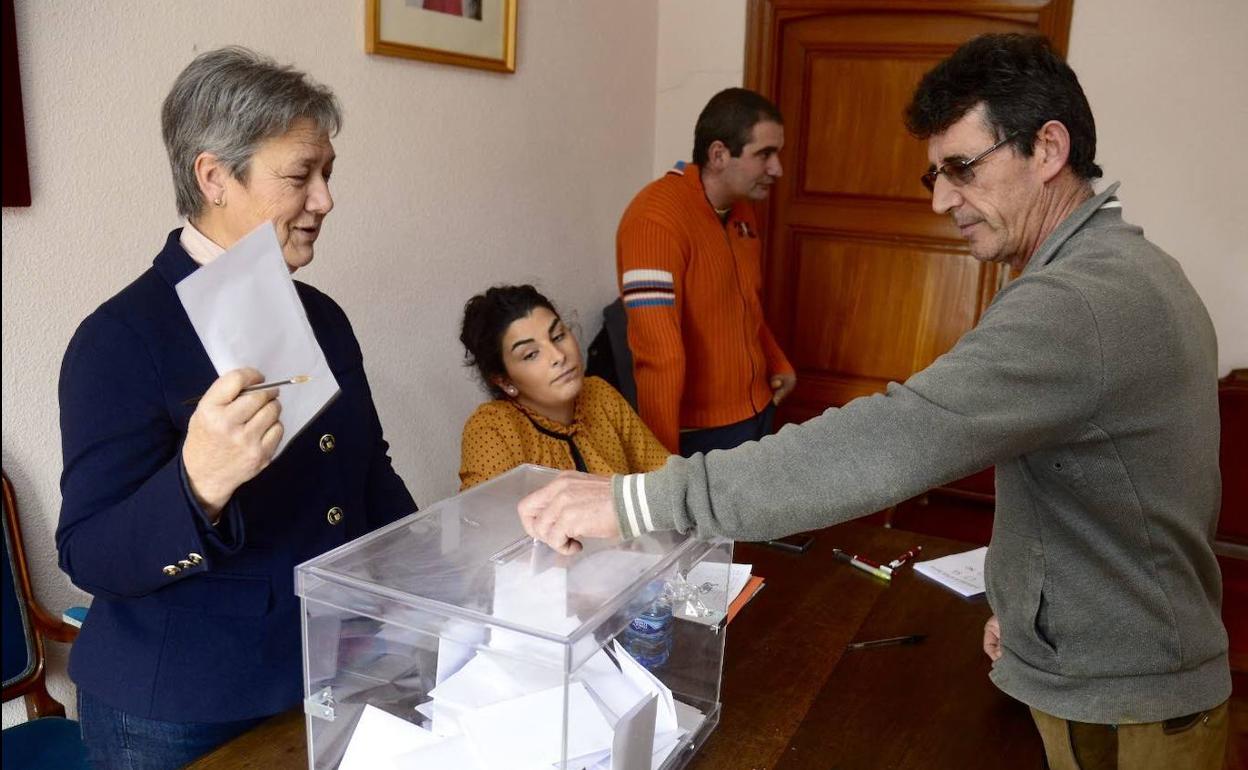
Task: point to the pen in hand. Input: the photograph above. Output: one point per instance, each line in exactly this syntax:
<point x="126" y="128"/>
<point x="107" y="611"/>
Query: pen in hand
<point x="296" y="380"/>
<point x="911" y="639"/>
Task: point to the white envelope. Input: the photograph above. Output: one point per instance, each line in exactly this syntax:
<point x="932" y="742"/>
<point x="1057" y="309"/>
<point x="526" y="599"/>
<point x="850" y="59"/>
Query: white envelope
<point x="665" y="720"/>
<point x="379" y="736"/>
<point x="246" y="311"/>
<point x="529" y="730"/>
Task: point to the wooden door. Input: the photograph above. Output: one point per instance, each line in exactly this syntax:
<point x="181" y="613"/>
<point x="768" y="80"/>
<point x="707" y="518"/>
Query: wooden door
<point x="863" y="283"/>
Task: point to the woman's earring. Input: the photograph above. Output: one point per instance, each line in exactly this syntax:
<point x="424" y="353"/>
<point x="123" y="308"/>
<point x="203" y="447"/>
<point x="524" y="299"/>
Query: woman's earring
<point x="511" y="391"/>
<point x="218" y="202"/>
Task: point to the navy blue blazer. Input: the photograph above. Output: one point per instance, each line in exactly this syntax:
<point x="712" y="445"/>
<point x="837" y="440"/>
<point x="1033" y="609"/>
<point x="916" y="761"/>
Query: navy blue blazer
<point x="193" y="622"/>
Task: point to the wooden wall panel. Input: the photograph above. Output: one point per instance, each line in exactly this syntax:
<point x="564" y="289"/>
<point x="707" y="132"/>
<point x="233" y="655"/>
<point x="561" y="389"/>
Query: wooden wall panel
<point x="855" y="142"/>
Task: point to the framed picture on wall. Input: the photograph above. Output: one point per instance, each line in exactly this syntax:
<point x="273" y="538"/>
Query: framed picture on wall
<point x="469" y="33"/>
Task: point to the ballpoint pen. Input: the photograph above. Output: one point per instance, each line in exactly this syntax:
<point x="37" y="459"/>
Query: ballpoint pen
<point x="297" y="379"/>
<point x="871" y="563"/>
<point x="911" y="639"/>
<point x="913" y="553"/>
<point x="842" y="556"/>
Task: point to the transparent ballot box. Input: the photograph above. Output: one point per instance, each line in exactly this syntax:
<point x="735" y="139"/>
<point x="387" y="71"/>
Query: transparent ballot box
<point x="450" y="639"/>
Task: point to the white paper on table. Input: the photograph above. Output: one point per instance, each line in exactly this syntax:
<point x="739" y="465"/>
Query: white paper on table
<point x="665" y="719"/>
<point x="720" y="596"/>
<point x="379" y="736"/>
<point x="529" y="730"/>
<point x="633" y="745"/>
<point x="246" y="311"/>
<point x="961" y="572"/>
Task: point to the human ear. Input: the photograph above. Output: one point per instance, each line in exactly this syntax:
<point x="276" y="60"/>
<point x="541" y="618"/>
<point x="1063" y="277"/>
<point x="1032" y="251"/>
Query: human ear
<point x="718" y="154"/>
<point x="506" y="386"/>
<point x="1052" y="149"/>
<point x="211" y="175"/>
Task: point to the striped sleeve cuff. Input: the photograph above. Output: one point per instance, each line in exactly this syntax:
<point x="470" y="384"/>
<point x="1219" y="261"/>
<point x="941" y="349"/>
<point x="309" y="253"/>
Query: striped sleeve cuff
<point x="631" y="506"/>
<point x="648" y="288"/>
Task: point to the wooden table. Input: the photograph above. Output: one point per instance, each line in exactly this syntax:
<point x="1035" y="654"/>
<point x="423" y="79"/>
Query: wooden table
<point x="794" y="698"/>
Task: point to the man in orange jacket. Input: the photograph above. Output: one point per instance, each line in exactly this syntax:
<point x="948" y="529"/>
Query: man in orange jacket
<point x="708" y="370"/>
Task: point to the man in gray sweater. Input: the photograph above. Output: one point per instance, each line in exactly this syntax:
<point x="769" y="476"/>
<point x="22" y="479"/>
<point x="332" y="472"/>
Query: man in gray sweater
<point x="1089" y="382"/>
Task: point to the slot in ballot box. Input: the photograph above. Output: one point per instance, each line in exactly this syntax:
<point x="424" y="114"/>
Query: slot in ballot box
<point x="450" y="639"/>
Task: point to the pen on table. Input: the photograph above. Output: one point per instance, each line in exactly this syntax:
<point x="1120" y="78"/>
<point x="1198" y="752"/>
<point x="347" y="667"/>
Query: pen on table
<point x="871" y="563"/>
<point x="911" y="639"/>
<point x="296" y="380"/>
<point x="913" y="553"/>
<point x="842" y="556"/>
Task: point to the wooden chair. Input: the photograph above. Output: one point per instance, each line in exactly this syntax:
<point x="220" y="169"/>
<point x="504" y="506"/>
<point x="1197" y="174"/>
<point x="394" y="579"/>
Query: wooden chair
<point x="48" y="739"/>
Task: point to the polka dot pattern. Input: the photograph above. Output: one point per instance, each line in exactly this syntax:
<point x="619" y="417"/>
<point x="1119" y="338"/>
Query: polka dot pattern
<point x="609" y="435"/>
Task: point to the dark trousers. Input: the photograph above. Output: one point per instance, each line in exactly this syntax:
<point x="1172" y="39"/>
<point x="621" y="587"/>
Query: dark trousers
<point x="116" y="740"/>
<point x="727" y="436"/>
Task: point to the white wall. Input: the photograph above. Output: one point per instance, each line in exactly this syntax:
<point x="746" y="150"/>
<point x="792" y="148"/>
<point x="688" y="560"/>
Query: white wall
<point x="1166" y="82"/>
<point x="448" y="180"/>
<point x="701" y="52"/>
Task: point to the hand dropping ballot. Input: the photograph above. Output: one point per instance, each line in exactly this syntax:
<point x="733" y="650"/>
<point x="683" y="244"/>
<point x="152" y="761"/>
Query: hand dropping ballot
<point x="246" y="311"/>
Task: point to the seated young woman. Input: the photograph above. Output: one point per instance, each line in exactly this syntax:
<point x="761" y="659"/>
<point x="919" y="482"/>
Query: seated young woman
<point x="544" y="409"/>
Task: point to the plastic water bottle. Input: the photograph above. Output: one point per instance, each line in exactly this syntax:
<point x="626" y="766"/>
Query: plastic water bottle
<point x="648" y="637"/>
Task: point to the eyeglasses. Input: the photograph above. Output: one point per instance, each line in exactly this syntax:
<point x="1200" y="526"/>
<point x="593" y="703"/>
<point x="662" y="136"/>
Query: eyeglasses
<point x="959" y="172"/>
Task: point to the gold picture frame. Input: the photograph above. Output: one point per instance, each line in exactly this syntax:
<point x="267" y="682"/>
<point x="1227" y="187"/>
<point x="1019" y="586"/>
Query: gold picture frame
<point x="467" y="33"/>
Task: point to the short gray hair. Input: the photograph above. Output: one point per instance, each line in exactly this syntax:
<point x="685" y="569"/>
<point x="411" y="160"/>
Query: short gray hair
<point x="226" y="102"/>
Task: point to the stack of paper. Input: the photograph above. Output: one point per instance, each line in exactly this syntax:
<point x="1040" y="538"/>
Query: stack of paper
<point x="497" y="712"/>
<point x="962" y="572"/>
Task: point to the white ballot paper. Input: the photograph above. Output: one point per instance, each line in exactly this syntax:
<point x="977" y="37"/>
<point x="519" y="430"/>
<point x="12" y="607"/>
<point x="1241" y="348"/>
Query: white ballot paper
<point x="246" y="311"/>
<point x="528" y="731"/>
<point x="962" y="572"/>
<point x="378" y="737"/>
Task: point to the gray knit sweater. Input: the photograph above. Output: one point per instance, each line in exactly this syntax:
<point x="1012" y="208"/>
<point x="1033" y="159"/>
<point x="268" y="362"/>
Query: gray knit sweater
<point x="1091" y="384"/>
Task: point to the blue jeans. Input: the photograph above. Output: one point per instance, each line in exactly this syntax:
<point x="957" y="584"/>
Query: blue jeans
<point x="116" y="740"/>
<point x="727" y="436"/>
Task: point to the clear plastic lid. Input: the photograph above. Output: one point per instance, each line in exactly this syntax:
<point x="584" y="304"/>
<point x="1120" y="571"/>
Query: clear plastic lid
<point x="467" y="558"/>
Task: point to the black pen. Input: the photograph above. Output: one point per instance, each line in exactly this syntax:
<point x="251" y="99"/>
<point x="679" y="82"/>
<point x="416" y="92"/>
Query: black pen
<point x="912" y="639"/>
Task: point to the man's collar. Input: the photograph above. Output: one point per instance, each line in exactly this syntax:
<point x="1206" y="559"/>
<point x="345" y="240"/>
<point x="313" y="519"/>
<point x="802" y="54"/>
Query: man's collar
<point x="1071" y="225"/>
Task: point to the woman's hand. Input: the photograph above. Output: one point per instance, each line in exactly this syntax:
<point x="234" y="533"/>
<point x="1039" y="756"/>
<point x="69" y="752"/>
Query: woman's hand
<point x="992" y="638"/>
<point x="231" y="438"/>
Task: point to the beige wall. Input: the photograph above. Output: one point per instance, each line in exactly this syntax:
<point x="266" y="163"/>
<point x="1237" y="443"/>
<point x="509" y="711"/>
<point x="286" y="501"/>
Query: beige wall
<point x="448" y="180"/>
<point x="701" y="52"/>
<point x="1166" y="82"/>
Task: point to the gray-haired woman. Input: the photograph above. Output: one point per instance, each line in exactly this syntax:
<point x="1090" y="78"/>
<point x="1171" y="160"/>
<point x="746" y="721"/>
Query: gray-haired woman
<point x="177" y="518"/>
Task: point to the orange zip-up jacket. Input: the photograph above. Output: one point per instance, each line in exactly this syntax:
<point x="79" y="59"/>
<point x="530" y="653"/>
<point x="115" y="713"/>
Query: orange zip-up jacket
<point x="703" y="356"/>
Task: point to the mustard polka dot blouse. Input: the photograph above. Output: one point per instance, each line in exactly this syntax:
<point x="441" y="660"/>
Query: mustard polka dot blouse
<point x="605" y="433"/>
